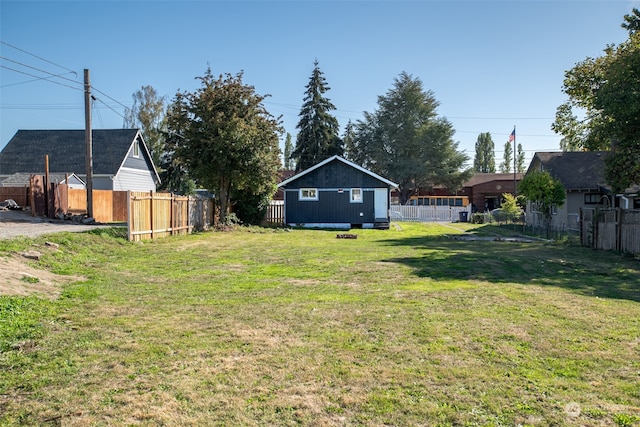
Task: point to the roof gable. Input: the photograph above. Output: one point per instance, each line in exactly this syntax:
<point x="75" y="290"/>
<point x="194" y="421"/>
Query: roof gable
<point x="339" y="159"/>
<point x="26" y="151"/>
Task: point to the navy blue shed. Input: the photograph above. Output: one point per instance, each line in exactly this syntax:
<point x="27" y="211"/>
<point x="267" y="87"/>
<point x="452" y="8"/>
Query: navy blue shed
<point x="337" y="193"/>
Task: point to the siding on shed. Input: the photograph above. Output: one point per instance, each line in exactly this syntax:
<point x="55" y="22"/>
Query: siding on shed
<point x="336" y="175"/>
<point x="332" y="206"/>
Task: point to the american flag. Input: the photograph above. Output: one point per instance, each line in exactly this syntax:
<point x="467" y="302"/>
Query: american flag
<point x="512" y="137"/>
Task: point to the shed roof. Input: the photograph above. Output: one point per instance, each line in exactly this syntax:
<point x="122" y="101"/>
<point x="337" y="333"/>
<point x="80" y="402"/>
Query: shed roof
<point x="23" y="179"/>
<point x="340" y="159"/>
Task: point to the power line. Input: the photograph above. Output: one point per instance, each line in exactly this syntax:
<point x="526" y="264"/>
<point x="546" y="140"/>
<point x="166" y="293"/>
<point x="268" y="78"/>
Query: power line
<point x="42" y="71"/>
<point x="36" y="56"/>
<point x="39" y="77"/>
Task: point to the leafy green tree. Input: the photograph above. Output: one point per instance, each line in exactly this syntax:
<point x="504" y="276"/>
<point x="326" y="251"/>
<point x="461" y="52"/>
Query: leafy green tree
<point x="484" y="161"/>
<point x="544" y="191"/>
<point x="520" y="159"/>
<point x="318" y="130"/>
<point x="226" y="139"/>
<point x="288" y="162"/>
<point x="510" y="210"/>
<point x="405" y="141"/>
<point x="507" y="158"/>
<point x="607" y="91"/>
<point x="148" y="114"/>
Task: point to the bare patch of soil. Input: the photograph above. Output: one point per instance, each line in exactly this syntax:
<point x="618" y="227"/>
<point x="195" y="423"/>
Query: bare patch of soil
<point x="20" y="278"/>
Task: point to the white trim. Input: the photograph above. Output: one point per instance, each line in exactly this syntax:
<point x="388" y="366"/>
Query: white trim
<point x="360" y="198"/>
<point x="303" y="198"/>
<point x="345" y="161"/>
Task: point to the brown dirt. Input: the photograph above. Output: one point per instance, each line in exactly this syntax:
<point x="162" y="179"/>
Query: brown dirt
<point x="17" y="275"/>
<point x="20" y="278"/>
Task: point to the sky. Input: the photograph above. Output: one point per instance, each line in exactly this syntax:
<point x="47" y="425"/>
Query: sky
<point x="491" y="65"/>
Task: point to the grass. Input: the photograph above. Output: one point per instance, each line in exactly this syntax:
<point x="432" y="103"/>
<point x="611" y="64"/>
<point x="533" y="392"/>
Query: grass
<point x="267" y="327"/>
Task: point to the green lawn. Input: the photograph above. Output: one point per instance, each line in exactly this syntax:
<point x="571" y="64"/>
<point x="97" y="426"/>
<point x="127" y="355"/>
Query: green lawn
<point x="269" y="327"/>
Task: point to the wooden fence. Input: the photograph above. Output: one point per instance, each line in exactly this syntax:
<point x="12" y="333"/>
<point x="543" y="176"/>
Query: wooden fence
<point x="611" y="229"/>
<point x="108" y="205"/>
<point x="275" y="213"/>
<point x="20" y="195"/>
<point x="156" y="215"/>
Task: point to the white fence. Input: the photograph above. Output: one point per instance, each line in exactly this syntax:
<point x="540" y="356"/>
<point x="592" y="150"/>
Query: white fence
<point x="428" y="213"/>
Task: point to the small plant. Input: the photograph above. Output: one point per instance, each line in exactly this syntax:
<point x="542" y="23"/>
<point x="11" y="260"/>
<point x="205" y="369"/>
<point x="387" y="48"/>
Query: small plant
<point x="624" y="420"/>
<point x="29" y="279"/>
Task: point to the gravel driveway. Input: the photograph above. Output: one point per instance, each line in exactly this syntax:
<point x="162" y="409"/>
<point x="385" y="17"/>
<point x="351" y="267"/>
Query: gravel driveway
<point x="21" y="223"/>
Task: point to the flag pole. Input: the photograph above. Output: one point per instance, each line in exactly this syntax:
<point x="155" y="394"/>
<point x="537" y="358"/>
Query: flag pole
<point x="514" y="162"/>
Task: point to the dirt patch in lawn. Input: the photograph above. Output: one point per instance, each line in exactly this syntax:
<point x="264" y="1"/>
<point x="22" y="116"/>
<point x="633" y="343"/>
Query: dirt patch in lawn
<point x="20" y="278"/>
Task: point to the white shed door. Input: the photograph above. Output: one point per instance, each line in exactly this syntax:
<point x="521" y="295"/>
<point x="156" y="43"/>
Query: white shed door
<point x="380" y="199"/>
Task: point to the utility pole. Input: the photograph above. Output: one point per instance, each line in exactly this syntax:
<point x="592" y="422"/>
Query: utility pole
<point x="88" y="160"/>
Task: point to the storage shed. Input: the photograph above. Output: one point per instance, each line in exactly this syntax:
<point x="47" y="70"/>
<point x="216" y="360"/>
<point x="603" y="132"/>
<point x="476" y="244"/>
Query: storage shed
<point x="337" y="193"/>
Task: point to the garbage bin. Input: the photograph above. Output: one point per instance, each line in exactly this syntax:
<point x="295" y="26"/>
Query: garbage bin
<point x="464" y="216"/>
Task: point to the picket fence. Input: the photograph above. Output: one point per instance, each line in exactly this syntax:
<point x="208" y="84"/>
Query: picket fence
<point x="428" y="213"/>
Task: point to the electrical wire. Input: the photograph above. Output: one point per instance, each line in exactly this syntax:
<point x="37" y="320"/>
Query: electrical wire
<point x="36" y="56"/>
<point x="39" y="77"/>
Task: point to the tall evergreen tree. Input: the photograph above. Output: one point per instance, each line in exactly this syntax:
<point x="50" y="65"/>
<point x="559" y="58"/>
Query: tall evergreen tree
<point x="318" y="130"/>
<point x="484" y="161"/>
<point x="288" y="162"/>
<point x="507" y="158"/>
<point x="406" y="142"/>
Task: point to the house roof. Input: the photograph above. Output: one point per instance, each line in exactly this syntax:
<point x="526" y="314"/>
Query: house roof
<point x="483" y="178"/>
<point x="23" y="179"/>
<point x="26" y="151"/>
<point x="340" y="159"/>
<point x="576" y="170"/>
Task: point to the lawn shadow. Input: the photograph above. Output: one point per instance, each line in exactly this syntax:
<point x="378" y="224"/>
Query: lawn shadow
<point x="582" y="270"/>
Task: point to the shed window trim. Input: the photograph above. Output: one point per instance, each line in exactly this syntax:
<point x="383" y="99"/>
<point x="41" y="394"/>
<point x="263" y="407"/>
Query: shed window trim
<point x="356" y="195"/>
<point x="308" y="194"/>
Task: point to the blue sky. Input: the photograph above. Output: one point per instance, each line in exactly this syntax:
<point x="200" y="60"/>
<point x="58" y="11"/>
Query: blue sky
<point x="492" y="65"/>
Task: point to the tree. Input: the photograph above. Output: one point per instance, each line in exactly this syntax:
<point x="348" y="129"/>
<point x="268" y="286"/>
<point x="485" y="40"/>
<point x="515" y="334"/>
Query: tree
<point x="405" y="141"/>
<point x="148" y="114"/>
<point x="507" y="158"/>
<point x="226" y="139"/>
<point x="606" y="90"/>
<point x="520" y="161"/>
<point x="544" y="191"/>
<point x="318" y="130"/>
<point x="484" y="161"/>
<point x="288" y="162"/>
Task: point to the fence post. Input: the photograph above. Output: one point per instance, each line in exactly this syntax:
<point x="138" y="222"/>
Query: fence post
<point x="619" y="218"/>
<point x="129" y="216"/>
<point x="151" y="212"/>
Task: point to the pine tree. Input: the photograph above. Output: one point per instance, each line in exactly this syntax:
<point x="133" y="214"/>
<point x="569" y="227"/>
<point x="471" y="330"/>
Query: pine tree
<point x="288" y="149"/>
<point x="318" y="130"/>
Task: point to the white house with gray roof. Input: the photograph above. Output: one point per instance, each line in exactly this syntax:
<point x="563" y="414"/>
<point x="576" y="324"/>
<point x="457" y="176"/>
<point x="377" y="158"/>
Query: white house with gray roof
<point x="121" y="160"/>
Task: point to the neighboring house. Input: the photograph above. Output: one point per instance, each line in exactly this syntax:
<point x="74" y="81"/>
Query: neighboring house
<point x="582" y="176"/>
<point x="337" y="193"/>
<point x="121" y="160"/>
<point x="24" y="180"/>
<point x="485" y="190"/>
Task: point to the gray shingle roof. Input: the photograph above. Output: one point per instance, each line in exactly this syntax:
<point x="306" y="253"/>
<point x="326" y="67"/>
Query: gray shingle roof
<point x="576" y="170"/>
<point x="26" y="151"/>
